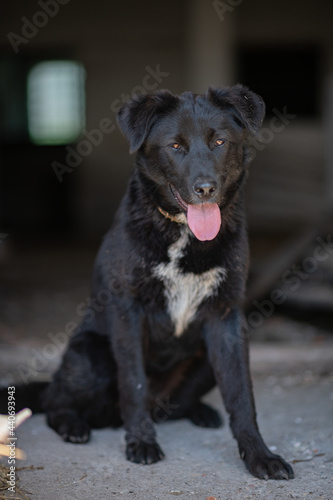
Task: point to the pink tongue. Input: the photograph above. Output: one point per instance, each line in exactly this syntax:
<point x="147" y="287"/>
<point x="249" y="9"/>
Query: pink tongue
<point x="204" y="220"/>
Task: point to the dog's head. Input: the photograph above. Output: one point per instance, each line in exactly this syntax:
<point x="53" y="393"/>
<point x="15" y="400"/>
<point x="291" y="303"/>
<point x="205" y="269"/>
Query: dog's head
<point x="192" y="149"/>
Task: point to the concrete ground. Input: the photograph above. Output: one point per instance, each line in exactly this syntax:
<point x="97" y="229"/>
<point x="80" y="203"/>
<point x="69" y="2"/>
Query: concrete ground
<point x="294" y="394"/>
<point x="293" y="384"/>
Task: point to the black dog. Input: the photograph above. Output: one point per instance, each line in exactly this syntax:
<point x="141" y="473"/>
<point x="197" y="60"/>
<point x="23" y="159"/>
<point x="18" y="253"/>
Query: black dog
<point x="165" y="324"/>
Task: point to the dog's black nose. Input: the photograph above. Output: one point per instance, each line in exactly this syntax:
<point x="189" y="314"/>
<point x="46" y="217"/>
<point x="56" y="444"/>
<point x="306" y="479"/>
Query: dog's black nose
<point x="205" y="189"/>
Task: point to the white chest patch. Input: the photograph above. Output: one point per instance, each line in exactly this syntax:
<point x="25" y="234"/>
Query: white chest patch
<point x="184" y="292"/>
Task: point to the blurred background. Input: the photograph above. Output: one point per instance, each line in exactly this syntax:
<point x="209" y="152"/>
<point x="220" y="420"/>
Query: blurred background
<point x="66" y="67"/>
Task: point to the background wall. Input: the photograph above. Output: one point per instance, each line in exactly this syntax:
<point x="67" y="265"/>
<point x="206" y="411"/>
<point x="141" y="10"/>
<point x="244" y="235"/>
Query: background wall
<point x="283" y="50"/>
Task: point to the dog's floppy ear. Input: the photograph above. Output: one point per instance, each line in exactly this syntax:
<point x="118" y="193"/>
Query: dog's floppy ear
<point x="249" y="107"/>
<point x="136" y="118"/>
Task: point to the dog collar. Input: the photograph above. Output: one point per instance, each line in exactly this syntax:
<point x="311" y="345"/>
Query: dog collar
<point x="180" y="218"/>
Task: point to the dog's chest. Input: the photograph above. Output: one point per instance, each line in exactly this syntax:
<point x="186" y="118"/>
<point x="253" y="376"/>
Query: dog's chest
<point x="184" y="292"/>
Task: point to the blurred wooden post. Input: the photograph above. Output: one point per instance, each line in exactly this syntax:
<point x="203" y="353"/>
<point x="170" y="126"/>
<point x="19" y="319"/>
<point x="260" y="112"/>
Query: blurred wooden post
<point x="210" y="44"/>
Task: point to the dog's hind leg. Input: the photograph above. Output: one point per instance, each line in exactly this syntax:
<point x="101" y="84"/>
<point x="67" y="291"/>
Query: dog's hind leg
<point x="68" y="424"/>
<point x="83" y="393"/>
<point x="184" y="400"/>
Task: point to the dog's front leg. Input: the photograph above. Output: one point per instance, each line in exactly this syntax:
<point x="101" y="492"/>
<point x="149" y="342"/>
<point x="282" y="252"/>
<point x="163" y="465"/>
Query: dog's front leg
<point x="228" y="354"/>
<point x="141" y="445"/>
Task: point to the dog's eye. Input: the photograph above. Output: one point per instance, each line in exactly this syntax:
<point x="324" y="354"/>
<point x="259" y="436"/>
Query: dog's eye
<point x="219" y="142"/>
<point x="175" y="145"/>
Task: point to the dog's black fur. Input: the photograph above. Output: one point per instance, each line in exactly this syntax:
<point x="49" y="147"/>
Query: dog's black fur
<point x="164" y="323"/>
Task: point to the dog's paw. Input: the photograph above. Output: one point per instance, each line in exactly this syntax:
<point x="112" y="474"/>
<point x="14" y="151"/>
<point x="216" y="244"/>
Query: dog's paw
<point x="77" y="432"/>
<point x="204" y="416"/>
<point x="269" y="467"/>
<point x="141" y="452"/>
